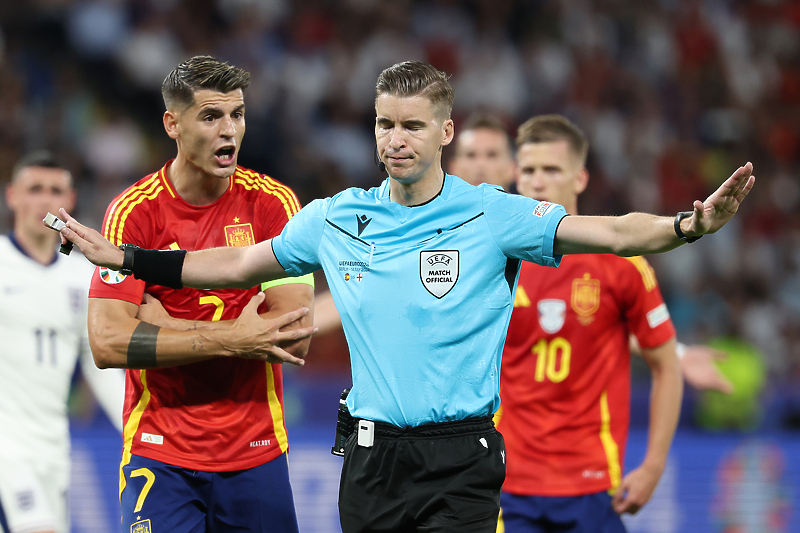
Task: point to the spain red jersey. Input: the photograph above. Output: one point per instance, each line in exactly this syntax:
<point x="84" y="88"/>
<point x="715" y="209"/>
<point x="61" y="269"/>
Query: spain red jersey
<point x="565" y="380"/>
<point x="219" y="415"/>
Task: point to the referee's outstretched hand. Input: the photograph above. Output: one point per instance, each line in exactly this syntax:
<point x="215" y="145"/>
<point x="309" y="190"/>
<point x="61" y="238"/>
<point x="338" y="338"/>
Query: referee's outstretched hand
<point x="717" y="210"/>
<point x="253" y="337"/>
<point x="93" y="246"/>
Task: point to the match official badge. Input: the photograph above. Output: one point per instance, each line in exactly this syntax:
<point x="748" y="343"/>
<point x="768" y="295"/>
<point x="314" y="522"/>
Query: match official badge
<point x="551" y="314"/>
<point x="142" y="526"/>
<point x="585" y="298"/>
<point x="239" y="235"/>
<point x="438" y="271"/>
<point x="112" y="277"/>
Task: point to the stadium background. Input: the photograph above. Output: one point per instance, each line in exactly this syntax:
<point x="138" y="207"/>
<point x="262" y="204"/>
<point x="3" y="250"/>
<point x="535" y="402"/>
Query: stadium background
<point x="673" y="94"/>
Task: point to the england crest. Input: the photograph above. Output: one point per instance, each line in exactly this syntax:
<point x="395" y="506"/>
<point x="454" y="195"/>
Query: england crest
<point x="438" y="271"/>
<point x="551" y="314"/>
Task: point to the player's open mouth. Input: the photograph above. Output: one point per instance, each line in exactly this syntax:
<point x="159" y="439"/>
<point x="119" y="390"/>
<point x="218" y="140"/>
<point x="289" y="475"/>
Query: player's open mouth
<point x="225" y="155"/>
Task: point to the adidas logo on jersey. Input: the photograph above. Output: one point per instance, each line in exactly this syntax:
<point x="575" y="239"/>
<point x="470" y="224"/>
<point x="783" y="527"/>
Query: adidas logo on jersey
<point x="152" y="439"/>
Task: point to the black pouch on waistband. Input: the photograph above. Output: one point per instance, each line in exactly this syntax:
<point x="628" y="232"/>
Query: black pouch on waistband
<point x="345" y="425"/>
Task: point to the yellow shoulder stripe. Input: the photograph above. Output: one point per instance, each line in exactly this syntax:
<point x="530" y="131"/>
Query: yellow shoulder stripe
<point x="646" y="271"/>
<point x="123" y="207"/>
<point x="122" y="201"/>
<point x="252" y="181"/>
<point x="275" y="185"/>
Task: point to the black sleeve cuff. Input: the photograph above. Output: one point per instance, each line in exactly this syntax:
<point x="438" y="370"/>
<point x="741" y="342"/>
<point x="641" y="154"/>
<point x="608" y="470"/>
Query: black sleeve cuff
<point x="159" y="267"/>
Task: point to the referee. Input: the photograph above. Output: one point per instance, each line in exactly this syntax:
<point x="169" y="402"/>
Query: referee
<point x="422" y="270"/>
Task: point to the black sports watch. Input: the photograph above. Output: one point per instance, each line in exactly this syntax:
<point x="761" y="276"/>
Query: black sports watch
<point x="127" y="259"/>
<point x="681" y="235"/>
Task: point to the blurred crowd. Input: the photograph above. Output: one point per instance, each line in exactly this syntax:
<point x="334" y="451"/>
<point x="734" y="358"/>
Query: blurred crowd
<point x="673" y="95"/>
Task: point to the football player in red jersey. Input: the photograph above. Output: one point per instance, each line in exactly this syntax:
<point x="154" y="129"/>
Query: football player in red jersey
<point x="565" y="382"/>
<point x="204" y="435"/>
<point x="484" y="153"/>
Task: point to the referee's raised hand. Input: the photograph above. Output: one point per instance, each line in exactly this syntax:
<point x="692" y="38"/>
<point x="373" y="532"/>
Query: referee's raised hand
<point x="93" y="246"/>
<point x="717" y="210"/>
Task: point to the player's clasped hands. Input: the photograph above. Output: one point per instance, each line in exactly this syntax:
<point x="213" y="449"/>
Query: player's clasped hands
<point x="254" y="337"/>
<point x="251" y="336"/>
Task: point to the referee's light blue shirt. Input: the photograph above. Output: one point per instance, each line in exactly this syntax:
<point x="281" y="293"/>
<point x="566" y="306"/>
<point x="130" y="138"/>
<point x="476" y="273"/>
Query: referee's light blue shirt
<point x="425" y="293"/>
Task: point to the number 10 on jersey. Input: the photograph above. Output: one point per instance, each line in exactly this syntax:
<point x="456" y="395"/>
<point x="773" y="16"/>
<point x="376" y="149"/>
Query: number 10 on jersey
<point x="552" y="359"/>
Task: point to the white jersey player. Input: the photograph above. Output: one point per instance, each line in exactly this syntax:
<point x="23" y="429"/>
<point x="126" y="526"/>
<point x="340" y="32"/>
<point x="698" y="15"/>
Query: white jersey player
<point x="43" y="309"/>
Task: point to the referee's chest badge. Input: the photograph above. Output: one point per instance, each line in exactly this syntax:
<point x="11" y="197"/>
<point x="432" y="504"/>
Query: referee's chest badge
<point x="438" y="271"/>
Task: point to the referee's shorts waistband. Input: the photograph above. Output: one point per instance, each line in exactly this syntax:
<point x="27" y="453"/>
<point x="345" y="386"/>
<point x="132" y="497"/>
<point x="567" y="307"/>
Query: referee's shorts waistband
<point x="467" y="426"/>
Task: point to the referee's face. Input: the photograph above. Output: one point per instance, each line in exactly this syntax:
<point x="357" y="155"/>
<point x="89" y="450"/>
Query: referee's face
<point x="409" y="135"/>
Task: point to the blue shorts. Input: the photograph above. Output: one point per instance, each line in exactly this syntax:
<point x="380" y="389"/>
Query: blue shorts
<point x="162" y="497"/>
<point x="572" y="514"/>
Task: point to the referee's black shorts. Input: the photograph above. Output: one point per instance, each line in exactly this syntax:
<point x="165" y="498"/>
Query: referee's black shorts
<point x="432" y="478"/>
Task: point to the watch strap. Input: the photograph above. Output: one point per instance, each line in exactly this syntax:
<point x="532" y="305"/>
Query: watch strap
<point x="677" y="225"/>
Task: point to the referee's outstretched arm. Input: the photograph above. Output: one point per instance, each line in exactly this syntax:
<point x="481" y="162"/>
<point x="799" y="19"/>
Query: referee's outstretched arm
<point x="232" y="267"/>
<point x="641" y="233"/>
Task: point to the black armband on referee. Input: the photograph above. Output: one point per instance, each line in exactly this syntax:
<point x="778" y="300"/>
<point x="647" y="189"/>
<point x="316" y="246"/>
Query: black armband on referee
<point x="159" y="267"/>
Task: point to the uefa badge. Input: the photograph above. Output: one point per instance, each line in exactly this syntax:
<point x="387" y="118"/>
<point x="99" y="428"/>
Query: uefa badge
<point x="112" y="277"/>
<point x="438" y="271"/>
<point x="552" y="314"/>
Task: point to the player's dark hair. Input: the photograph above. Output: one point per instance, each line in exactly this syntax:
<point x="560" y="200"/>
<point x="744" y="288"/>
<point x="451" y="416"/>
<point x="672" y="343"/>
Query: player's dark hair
<point x="488" y="121"/>
<point x="37" y="158"/>
<point x="553" y="128"/>
<point x="415" y="78"/>
<point x="201" y="72"/>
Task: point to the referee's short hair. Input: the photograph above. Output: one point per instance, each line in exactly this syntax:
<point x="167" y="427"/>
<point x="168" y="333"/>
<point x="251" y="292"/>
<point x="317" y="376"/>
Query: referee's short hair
<point x="554" y="128"/>
<point x="415" y="78"/>
<point x="201" y="72"/>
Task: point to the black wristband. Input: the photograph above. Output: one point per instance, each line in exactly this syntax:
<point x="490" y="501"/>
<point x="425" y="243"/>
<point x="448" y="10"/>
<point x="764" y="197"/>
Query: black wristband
<point x="677" y="225"/>
<point x="127" y="259"/>
<point x="159" y="267"/>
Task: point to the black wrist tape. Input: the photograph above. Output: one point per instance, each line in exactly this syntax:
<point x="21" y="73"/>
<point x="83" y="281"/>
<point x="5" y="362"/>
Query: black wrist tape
<point x="159" y="267"/>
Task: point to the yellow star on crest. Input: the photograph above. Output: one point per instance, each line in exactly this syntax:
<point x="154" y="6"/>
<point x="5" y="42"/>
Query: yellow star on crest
<point x="235" y="220"/>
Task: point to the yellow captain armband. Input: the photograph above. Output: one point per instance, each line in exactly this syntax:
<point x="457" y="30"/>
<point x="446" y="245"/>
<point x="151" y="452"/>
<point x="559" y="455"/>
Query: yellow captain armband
<point x="308" y="279"/>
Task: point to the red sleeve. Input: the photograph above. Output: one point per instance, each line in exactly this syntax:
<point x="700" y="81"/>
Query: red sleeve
<point x="645" y="310"/>
<point x="278" y="208"/>
<point x="108" y="283"/>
